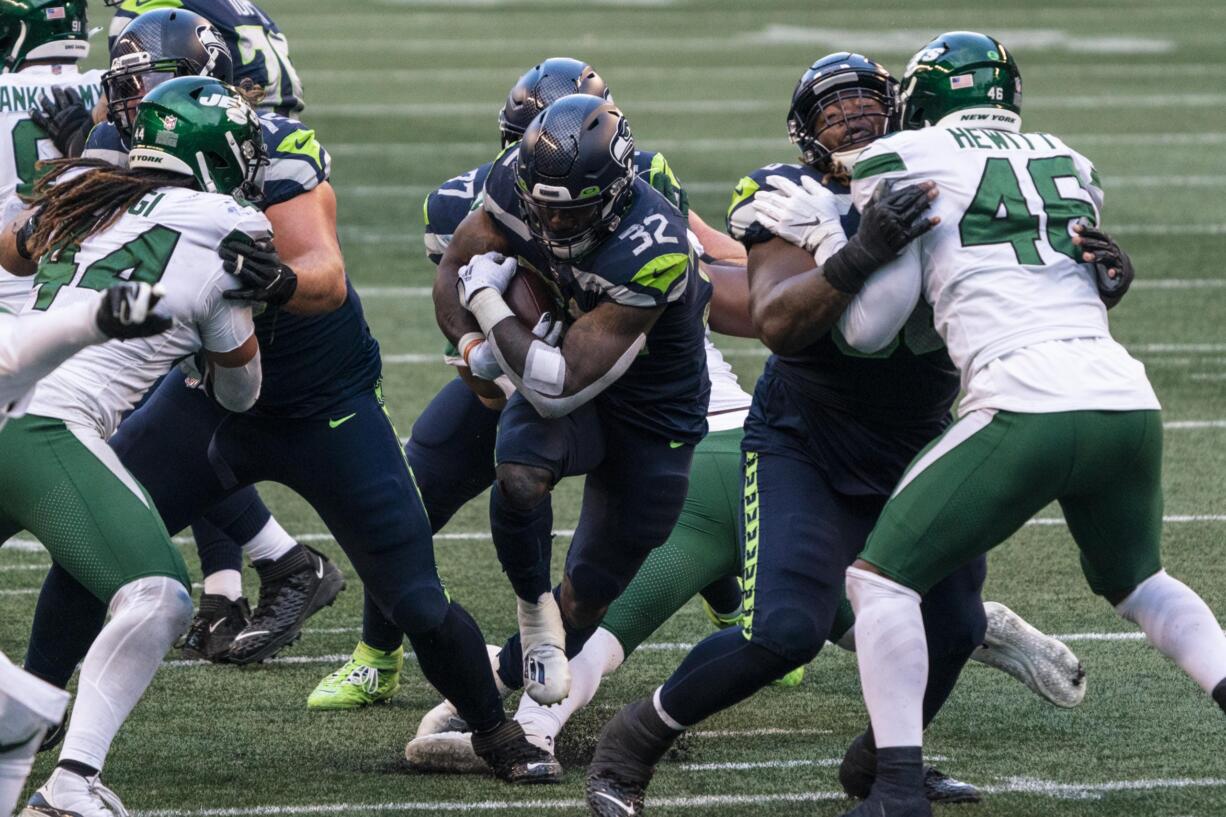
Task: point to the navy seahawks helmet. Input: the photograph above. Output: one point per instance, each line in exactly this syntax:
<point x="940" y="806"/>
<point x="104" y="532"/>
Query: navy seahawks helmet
<point x="575" y="174"/>
<point x="540" y="87"/>
<point x="833" y="79"/>
<point x="157" y="46"/>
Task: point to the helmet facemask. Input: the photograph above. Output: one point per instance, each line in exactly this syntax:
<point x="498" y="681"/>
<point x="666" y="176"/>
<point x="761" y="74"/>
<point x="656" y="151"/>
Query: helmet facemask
<point x="569" y="229"/>
<point x="862" y="103"/>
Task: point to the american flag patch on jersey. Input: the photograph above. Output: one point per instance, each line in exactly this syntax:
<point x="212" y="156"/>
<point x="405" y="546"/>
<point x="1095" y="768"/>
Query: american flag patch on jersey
<point x="963" y="81"/>
<point x="56" y="13"/>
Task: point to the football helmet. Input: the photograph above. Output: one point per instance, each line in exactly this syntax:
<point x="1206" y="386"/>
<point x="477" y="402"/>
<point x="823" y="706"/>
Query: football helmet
<point x="203" y="128"/>
<point x="956" y="71"/>
<point x="575" y="173"/>
<point x="158" y="46"/>
<point x="540" y="87"/>
<point x="42" y="30"/>
<point x="833" y="79"/>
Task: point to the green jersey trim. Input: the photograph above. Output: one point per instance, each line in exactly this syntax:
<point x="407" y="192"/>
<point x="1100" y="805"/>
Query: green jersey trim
<point x="141" y="6"/>
<point x="885" y="163"/>
<point x="661" y="272"/>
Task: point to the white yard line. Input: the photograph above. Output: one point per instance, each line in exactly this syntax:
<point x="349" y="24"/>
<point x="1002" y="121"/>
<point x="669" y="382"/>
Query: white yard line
<point x="1014" y="785"/>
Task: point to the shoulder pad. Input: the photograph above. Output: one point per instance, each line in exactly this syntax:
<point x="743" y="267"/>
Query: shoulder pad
<point x="742" y="217"/>
<point x="297" y="161"/>
<point x="647" y="262"/>
<point x="499" y="196"/>
<point x="448" y="205"/>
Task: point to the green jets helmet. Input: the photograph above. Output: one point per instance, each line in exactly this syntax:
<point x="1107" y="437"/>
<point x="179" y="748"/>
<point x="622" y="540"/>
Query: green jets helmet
<point x="957" y="71"/>
<point x="42" y="30"/>
<point x="203" y="128"/>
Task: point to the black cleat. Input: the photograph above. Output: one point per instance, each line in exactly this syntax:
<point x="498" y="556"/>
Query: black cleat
<point x="859" y="769"/>
<point x="630" y="745"/>
<point x="513" y="759"/>
<point x="292" y="589"/>
<point x="214" y="627"/>
<point x="941" y="788"/>
<point x="54" y="735"/>
<point x="1219" y="694"/>
<point x="878" y="805"/>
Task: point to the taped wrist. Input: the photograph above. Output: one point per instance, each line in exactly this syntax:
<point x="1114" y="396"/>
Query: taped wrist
<point x="488" y="307"/>
<point x="849" y="268"/>
<point x="467" y="343"/>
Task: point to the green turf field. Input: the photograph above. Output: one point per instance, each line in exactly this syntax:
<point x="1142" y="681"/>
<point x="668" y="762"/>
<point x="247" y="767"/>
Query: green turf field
<point x="404" y="93"/>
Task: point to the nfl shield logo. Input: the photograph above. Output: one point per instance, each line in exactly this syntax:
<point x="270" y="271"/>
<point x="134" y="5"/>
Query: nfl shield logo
<point x="56" y="13"/>
<point x="170" y="121"/>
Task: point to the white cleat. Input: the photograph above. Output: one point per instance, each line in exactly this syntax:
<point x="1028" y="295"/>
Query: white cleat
<point x="546" y="670"/>
<point x="66" y="794"/>
<point x="447" y="752"/>
<point x="1044" y="664"/>
<point x="440" y="720"/>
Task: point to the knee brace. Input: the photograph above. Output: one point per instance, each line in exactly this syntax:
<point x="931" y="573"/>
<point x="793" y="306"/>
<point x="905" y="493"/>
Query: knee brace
<point x="166" y="595"/>
<point x="523" y="486"/>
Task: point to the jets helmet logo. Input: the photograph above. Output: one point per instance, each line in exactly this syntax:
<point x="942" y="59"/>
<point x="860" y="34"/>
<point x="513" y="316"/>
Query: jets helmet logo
<point x="237" y="110"/>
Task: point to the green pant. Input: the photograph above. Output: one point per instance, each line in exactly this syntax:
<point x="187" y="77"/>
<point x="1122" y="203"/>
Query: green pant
<point x="980" y="481"/>
<point x="93" y="517"/>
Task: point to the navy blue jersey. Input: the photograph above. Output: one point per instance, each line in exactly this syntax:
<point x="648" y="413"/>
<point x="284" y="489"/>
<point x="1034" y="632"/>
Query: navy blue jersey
<point x="311" y="362"/>
<point x="647" y="262"/>
<point x="910" y="382"/>
<point x="447" y="206"/>
<point x="259" y="49"/>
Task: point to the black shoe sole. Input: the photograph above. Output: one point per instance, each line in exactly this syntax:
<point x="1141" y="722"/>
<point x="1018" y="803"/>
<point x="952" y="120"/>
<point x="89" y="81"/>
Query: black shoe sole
<point x="329" y="588"/>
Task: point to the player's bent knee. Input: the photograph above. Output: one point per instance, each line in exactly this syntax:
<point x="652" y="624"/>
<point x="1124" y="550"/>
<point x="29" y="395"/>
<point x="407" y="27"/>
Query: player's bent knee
<point x="524" y="486"/>
<point x="791" y="633"/>
<point x="165" y="597"/>
<point x="421" y="609"/>
<point x="580" y="612"/>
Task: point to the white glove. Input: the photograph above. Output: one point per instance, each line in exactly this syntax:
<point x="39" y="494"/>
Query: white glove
<point x="804" y="214"/>
<point x="482" y="362"/>
<point x="548" y="330"/>
<point x="489" y="271"/>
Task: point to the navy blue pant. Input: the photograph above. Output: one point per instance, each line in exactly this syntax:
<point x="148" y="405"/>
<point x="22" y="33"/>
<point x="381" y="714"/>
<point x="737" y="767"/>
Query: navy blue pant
<point x="633" y="493"/>
<point x="349" y="466"/>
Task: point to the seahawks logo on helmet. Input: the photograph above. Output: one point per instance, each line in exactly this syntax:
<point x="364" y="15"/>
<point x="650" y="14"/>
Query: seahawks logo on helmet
<point x="213" y="44"/>
<point x="621" y="148"/>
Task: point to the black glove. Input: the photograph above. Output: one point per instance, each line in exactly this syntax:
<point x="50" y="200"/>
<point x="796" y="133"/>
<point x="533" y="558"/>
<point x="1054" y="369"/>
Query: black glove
<point x="264" y="276"/>
<point x="65" y="119"/>
<point x="127" y="312"/>
<point x="1107" y="256"/>
<point x="22" y="239"/>
<point x="892" y="220"/>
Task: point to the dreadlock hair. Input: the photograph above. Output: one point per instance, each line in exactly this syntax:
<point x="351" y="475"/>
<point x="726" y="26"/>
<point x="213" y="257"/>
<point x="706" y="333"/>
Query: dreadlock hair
<point x="74" y="208"/>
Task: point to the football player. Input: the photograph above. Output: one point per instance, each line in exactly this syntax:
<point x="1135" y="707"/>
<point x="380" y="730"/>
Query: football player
<point x="1018" y="277"/>
<point x="160" y="221"/>
<point x="827" y="437"/>
<point x="41" y="53"/>
<point x="621" y="398"/>
<point x="451" y="448"/>
<point x="320" y="428"/>
<point x="31" y="347"/>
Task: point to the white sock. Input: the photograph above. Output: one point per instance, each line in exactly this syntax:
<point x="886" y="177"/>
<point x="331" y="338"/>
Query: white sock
<point x="893" y="656"/>
<point x="28" y="707"/>
<point x="600" y="656"/>
<point x="1180" y="625"/>
<point x="147" y="615"/>
<point x="272" y="542"/>
<point x="228" y="583"/>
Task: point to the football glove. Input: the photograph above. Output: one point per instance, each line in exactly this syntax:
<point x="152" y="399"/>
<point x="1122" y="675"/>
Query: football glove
<point x="127" y="312"/>
<point x="805" y="214"/>
<point x="488" y="271"/>
<point x="65" y="119"/>
<point x="1100" y="249"/>
<point x="265" y="277"/>
<point x="891" y="221"/>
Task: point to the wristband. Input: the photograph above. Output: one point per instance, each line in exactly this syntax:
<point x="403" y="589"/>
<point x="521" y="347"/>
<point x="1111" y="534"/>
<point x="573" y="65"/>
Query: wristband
<point x="467" y="344"/>
<point x="488" y="307"/>
<point x="849" y="268"/>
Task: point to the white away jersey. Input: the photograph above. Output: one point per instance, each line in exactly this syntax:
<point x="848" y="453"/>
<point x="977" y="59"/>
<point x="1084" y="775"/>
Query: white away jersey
<point x="23" y="144"/>
<point x="1000" y="270"/>
<point x="169" y="237"/>
<point x="729" y="403"/>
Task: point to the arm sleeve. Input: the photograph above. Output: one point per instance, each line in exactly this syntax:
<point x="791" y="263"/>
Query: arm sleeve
<point x="1088" y="175"/>
<point x="238" y="389"/>
<point x="878" y="313"/>
<point x="226" y="325"/>
<point x="34" y="345"/>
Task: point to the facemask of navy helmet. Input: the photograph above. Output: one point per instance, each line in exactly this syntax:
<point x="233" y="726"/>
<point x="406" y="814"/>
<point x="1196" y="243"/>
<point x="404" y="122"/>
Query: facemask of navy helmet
<point x="158" y="46"/>
<point x="575" y="174"/>
<point x="840" y="106"/>
<point x="543" y="85"/>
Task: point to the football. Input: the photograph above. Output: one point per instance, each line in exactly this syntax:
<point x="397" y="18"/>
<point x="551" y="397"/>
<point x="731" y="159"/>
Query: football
<point x="529" y="297"/>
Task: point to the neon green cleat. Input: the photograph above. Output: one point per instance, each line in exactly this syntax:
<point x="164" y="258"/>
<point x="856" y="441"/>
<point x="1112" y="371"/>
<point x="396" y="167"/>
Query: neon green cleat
<point x="792" y="679"/>
<point x="723" y="621"/>
<point x="369" y="677"/>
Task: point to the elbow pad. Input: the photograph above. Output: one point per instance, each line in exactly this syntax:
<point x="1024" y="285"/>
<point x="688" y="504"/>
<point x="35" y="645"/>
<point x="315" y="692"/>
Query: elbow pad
<point x="237" y="389"/>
